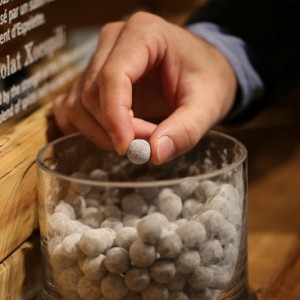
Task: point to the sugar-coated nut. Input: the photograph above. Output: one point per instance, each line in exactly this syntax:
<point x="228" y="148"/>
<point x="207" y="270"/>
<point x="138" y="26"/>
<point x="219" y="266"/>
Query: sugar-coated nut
<point x="66" y="209"/>
<point x="159" y="217"/>
<point x="177" y="283"/>
<point x="57" y="223"/>
<point x="220" y="204"/>
<point x="126" y="236"/>
<point x="231" y="193"/>
<point x="134" y="204"/>
<point x="58" y="261"/>
<point x="133" y="296"/>
<point x="169" y="204"/>
<point x="221" y="277"/>
<point x="111" y="223"/>
<point x="88" y="288"/>
<point x="95" y="241"/>
<point x="169" y="246"/>
<point x="186" y="188"/>
<point x="80" y="188"/>
<point x="94" y="194"/>
<point x="130" y="220"/>
<point x="99" y="175"/>
<point x="190" y="207"/>
<point x="162" y="271"/>
<point x="110" y="196"/>
<point x="92" y="200"/>
<point x="201" y="278"/>
<point x="77" y="202"/>
<point x="111" y="211"/>
<point x="147" y="192"/>
<point x="171" y="226"/>
<point x="178" y="296"/>
<point x="205" y="190"/>
<point x="117" y="260"/>
<point x="139" y="151"/>
<point x="69" y="278"/>
<point x="217" y="227"/>
<point x="155" y="292"/>
<point x="141" y="254"/>
<point x="203" y="294"/>
<point x="191" y="233"/>
<point x="180" y="222"/>
<point x="70" y="247"/>
<point x="230" y="255"/>
<point x="93" y="267"/>
<point x="187" y="261"/>
<point x="149" y="230"/>
<point x="214" y="277"/>
<point x="92" y="217"/>
<point x="112" y="287"/>
<point x="211" y="252"/>
<point x="73" y="227"/>
<point x="53" y="243"/>
<point x="137" y="279"/>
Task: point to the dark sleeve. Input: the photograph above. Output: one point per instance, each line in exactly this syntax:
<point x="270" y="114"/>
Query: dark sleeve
<point x="270" y="28"/>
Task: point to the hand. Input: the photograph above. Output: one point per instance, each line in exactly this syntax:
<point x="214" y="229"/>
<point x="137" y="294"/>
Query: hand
<point x="147" y="68"/>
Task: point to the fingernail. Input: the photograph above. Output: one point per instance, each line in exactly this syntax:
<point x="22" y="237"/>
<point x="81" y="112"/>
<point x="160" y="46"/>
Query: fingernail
<point x="166" y="149"/>
<point x="116" y="144"/>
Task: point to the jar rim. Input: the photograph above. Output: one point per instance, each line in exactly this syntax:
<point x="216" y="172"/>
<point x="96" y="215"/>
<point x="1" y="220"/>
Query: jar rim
<point x="141" y="184"/>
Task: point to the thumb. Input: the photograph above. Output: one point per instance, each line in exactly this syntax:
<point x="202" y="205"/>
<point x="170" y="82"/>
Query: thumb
<point x="179" y="133"/>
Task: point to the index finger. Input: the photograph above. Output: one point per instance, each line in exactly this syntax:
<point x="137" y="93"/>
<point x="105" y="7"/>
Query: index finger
<point x="137" y="50"/>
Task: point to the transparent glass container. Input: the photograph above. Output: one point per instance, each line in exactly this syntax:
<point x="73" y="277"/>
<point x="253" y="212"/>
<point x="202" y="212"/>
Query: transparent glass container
<point x="114" y="230"/>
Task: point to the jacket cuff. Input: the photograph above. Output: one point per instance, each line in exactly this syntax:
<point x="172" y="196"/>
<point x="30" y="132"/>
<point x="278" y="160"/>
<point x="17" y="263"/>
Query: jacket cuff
<point x="240" y="57"/>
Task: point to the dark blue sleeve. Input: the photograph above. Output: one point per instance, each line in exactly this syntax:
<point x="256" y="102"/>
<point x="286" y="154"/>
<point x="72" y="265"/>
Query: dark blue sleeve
<point x="270" y="33"/>
<point x="251" y="86"/>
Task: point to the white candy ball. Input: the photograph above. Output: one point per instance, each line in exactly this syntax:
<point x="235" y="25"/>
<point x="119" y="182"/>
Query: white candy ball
<point x="70" y="247"/>
<point x="149" y="230"/>
<point x="137" y="279"/>
<point x="126" y="236"/>
<point x="141" y="254"/>
<point x="113" y="287"/>
<point x="88" y="289"/>
<point x="191" y="233"/>
<point x="93" y="267"/>
<point x="169" y="246"/>
<point x="162" y="271"/>
<point x="69" y="278"/>
<point x="134" y="204"/>
<point x="155" y="292"/>
<point x="139" y="151"/>
<point x="117" y="260"/>
<point x="95" y="241"/>
<point x="187" y="261"/>
<point x="169" y="204"/>
<point x="65" y="208"/>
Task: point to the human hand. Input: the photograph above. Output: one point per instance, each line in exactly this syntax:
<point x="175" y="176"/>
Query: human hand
<point x="147" y="68"/>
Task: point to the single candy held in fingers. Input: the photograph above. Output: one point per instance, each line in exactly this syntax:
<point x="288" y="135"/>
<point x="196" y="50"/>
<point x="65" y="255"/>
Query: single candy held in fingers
<point x="139" y="151"/>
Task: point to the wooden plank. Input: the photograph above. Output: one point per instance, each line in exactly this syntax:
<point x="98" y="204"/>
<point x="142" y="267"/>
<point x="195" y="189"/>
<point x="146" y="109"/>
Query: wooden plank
<point x="20" y="273"/>
<point x="274" y="205"/>
<point x="288" y="284"/>
<point x="19" y="145"/>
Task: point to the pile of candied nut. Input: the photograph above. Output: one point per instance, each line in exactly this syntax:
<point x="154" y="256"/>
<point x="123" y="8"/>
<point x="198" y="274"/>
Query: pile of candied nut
<point x="173" y="242"/>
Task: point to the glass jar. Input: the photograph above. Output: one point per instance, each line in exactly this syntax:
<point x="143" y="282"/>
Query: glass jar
<point x="111" y="229"/>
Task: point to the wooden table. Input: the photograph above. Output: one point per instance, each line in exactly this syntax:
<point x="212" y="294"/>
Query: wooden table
<point x="274" y="209"/>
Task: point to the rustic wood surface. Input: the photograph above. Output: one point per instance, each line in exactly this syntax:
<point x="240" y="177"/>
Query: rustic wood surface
<point x="20" y="273"/>
<point x="19" y="145"/>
